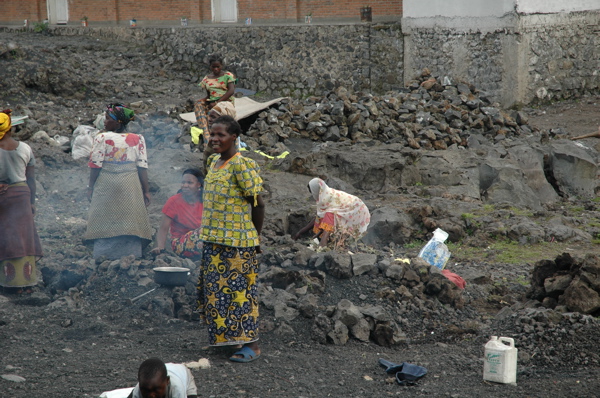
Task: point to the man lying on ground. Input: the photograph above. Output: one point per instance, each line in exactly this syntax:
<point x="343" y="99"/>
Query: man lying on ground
<point x="159" y="380"/>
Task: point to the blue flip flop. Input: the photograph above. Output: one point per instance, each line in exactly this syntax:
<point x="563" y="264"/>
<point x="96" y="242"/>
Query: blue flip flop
<point x="247" y="353"/>
<point x="391" y="367"/>
<point x="406" y="373"/>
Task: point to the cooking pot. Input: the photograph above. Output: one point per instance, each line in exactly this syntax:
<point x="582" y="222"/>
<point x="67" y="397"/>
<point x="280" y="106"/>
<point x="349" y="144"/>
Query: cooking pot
<point x="171" y="276"/>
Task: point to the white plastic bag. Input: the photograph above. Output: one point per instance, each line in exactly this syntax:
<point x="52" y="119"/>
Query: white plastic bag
<point x="83" y="140"/>
<point x="435" y="252"/>
<point x="99" y="122"/>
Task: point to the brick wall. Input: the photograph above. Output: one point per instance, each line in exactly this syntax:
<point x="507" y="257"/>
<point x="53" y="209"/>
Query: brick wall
<point x="18" y="10"/>
<point x="349" y="8"/>
<point x="115" y="11"/>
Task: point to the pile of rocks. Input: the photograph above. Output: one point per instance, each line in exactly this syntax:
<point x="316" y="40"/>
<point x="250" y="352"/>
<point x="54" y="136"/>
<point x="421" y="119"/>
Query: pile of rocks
<point x="566" y="284"/>
<point x="547" y="337"/>
<point x="295" y="283"/>
<point x="89" y="282"/>
<point x="430" y="113"/>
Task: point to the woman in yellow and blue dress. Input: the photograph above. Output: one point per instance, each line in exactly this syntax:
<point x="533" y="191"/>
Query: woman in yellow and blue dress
<point x="232" y="220"/>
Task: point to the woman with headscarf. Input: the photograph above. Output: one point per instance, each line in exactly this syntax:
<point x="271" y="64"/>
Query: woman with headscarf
<point x="19" y="242"/>
<point x="118" y="189"/>
<point x="339" y="215"/>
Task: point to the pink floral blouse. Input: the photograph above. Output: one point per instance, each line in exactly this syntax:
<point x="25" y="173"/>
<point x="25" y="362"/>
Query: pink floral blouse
<point x="118" y="148"/>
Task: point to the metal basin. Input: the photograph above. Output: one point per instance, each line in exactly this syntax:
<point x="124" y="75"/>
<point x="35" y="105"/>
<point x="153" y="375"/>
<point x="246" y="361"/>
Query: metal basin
<point x="171" y="276"/>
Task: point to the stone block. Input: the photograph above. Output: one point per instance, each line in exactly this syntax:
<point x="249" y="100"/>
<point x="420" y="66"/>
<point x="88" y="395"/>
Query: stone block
<point x="556" y="285"/>
<point x="580" y="297"/>
<point x="395" y="272"/>
<point x="339" y="334"/>
<point x="339" y="265"/>
<point x="282" y="311"/>
<point x="363" y="263"/>
<point x="347" y="313"/>
<point x="361" y="330"/>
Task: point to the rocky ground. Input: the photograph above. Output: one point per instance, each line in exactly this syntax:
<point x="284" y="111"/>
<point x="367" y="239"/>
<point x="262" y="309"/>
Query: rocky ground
<point x="531" y="265"/>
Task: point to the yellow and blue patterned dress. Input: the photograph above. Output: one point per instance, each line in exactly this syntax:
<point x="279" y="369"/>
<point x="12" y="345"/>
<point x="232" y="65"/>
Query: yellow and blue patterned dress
<point x="227" y="289"/>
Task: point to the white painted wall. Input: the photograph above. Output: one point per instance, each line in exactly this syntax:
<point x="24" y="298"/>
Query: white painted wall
<point x="460" y="8"/>
<point x="555" y="6"/>
<point x="491" y="8"/>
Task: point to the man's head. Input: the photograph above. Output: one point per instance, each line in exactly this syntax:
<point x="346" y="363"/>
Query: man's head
<point x="153" y="378"/>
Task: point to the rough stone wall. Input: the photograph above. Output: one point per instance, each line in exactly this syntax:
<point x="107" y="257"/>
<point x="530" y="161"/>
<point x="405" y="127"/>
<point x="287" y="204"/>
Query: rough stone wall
<point x="295" y="61"/>
<point x="476" y="58"/>
<point x="564" y="59"/>
<point x="523" y="59"/>
<point x="514" y="59"/>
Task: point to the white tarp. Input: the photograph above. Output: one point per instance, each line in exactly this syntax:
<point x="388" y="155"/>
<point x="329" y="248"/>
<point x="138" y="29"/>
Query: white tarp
<point x="244" y="107"/>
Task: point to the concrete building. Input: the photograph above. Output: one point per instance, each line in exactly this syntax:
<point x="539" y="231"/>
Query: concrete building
<point x="517" y="50"/>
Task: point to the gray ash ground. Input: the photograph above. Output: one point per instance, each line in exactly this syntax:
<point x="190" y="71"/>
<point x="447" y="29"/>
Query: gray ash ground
<point x="78" y="335"/>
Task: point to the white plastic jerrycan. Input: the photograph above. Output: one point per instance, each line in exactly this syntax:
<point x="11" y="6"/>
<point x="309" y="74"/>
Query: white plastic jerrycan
<point x="500" y="362"/>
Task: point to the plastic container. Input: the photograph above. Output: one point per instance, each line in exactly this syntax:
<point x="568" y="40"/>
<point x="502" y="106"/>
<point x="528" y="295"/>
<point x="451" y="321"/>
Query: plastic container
<point x="500" y="360"/>
<point x="435" y="252"/>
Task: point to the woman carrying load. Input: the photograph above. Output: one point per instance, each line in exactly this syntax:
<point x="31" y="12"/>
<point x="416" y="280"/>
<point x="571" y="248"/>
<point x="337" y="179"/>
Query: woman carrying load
<point x="19" y="242"/>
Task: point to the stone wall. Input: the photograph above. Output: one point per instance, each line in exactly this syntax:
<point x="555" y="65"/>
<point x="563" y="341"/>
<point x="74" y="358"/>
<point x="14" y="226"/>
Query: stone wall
<point x="515" y="59"/>
<point x="518" y="58"/>
<point x="564" y="55"/>
<point x="291" y="60"/>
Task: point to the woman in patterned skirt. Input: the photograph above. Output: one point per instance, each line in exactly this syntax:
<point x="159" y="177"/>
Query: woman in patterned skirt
<point x="218" y="87"/>
<point x="118" y="222"/>
<point x="19" y="242"/>
<point x="231" y="224"/>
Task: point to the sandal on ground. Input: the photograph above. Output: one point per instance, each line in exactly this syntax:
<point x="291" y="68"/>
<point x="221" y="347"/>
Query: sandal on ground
<point x="247" y="353"/>
<point x="406" y="373"/>
<point x="391" y="368"/>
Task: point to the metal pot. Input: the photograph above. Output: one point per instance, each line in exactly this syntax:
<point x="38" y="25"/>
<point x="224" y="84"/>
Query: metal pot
<point x="171" y="276"/>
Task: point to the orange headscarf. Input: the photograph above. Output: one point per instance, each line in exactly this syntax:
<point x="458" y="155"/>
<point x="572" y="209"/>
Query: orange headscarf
<point x="5" y="123"/>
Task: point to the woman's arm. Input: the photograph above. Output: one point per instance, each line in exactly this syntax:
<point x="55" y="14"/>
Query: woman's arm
<point x="94" y="173"/>
<point x="324" y="238"/>
<point x="30" y="177"/>
<point x="258" y="212"/>
<point x="143" y="175"/>
<point x="161" y="235"/>
<point x="307" y="227"/>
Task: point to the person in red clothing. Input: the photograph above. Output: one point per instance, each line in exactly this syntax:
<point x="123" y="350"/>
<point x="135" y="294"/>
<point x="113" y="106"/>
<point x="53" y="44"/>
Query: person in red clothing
<point x="181" y="215"/>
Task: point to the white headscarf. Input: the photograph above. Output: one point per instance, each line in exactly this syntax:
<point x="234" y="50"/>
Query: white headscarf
<point x="350" y="213"/>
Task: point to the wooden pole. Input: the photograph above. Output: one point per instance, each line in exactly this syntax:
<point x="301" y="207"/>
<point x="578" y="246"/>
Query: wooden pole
<point x="596" y="134"/>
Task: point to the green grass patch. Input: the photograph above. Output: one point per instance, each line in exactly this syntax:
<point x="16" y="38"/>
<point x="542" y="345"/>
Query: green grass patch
<point x="507" y="252"/>
<point x="521" y="212"/>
